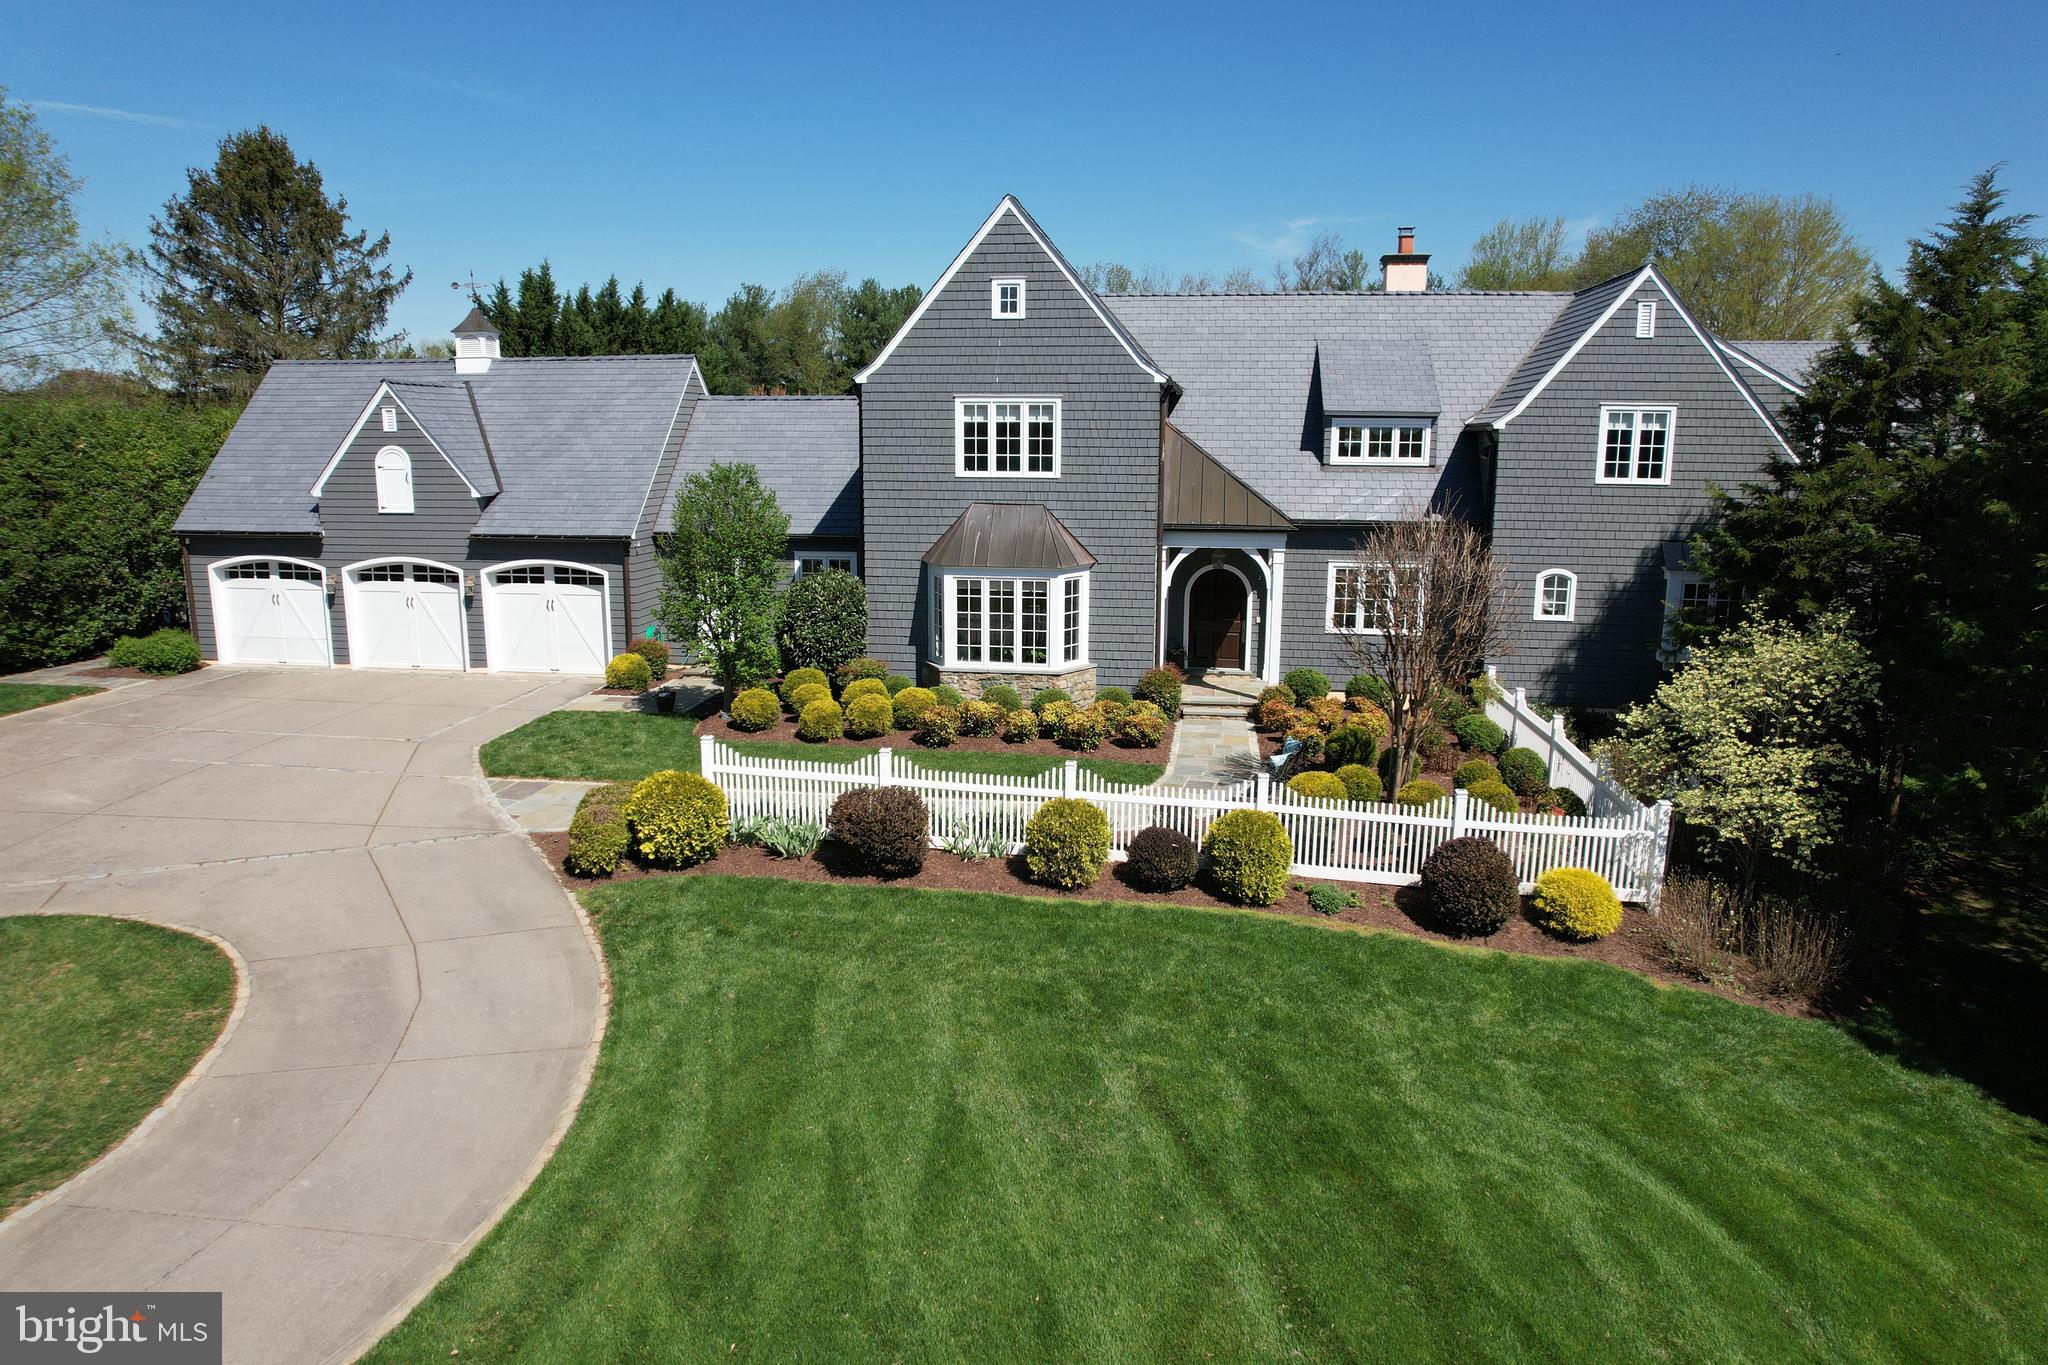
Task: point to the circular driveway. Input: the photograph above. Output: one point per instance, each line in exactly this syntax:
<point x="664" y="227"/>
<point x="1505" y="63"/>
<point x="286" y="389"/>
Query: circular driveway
<point x="421" y="1003"/>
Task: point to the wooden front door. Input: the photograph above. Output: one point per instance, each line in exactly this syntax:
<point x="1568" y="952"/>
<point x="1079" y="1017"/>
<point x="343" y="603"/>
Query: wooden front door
<point x="1216" y="611"/>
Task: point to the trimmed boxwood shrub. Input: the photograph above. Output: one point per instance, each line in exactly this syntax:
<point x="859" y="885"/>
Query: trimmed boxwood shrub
<point x="1565" y="799"/>
<point x="1161" y="687"/>
<point x="948" y="695"/>
<point x="1478" y="770"/>
<point x="657" y="656"/>
<point x="1003" y="695"/>
<point x="912" y="702"/>
<point x="799" y="678"/>
<point x="599" y="834"/>
<point x="1479" y="734"/>
<point x="796" y="699"/>
<point x="629" y="672"/>
<point x="936" y="727"/>
<point x="1280" y="692"/>
<point x="1470" y="885"/>
<point x="755" y="709"/>
<point x="979" y="717"/>
<point x="678" y="819"/>
<point x="1306" y="683"/>
<point x="1020" y="726"/>
<point x="1249" y="853"/>
<point x="869" y="714"/>
<point x="163" y="652"/>
<point x="1420" y="792"/>
<point x="863" y="687"/>
<point x="1047" y="696"/>
<point x="853" y="670"/>
<point x="884" y="827"/>
<point x="824" y="620"/>
<point x="1348" y="744"/>
<point x="1119" y="695"/>
<point x="1318" y="786"/>
<point x="1576" y="903"/>
<point x="1160" y="859"/>
<point x="820" y="719"/>
<point x="1524" y="770"/>
<point x="1496" y="794"/>
<point x="1360" y="782"/>
<point x="1366" y="687"/>
<point x="1141" y="729"/>
<point x="896" y="682"/>
<point x="1066" y="842"/>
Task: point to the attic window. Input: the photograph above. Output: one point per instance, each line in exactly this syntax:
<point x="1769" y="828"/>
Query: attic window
<point x="1379" y="443"/>
<point x="390" y="419"/>
<point x="1006" y="299"/>
<point x="1646" y="318"/>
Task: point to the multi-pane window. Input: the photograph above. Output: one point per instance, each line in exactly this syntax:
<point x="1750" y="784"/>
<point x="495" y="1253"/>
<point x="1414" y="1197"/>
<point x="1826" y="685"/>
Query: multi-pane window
<point x="1556" y="595"/>
<point x="1031" y="645"/>
<point x="844" y="561"/>
<point x="1002" y="621"/>
<point x="1635" y="444"/>
<point x="298" y="573"/>
<point x="967" y="620"/>
<point x="1359" y="595"/>
<point x="1699" y="604"/>
<point x="1006" y="299"/>
<point x="1007" y="438"/>
<point x="1012" y="622"/>
<point x="1380" y="443"/>
<point x="1070" y="638"/>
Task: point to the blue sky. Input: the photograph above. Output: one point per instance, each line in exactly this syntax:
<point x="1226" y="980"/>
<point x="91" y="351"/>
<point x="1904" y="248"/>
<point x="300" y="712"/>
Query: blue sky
<point x="702" y="147"/>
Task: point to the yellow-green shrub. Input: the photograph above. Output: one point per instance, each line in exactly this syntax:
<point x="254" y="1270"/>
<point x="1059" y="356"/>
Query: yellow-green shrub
<point x="1066" y="841"/>
<point x="1495" y="793"/>
<point x="864" y="687"/>
<point x="1420" y="792"/>
<point x="1576" y="903"/>
<point x="629" y="671"/>
<point x="869" y="714"/>
<point x="912" y="702"/>
<point x="797" y="698"/>
<point x="800" y="678"/>
<point x="1318" y="786"/>
<point x="820" y="719"/>
<point x="1248" y="852"/>
<point x="677" y="818"/>
<point x="755" y="709"/>
<point x="1360" y="782"/>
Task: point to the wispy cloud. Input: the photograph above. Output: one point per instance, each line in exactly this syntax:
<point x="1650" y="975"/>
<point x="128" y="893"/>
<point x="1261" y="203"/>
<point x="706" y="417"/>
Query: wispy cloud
<point x="1284" y="236"/>
<point x="427" y="80"/>
<point x="115" y="115"/>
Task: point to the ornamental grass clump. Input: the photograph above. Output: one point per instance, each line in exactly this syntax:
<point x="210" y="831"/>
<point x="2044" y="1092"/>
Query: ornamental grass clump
<point x="678" y="819"/>
<point x="820" y="720"/>
<point x="1470" y="886"/>
<point x="1160" y="859"/>
<point x="1248" y="853"/>
<point x="1576" y="903"/>
<point x="755" y="709"/>
<point x="1066" y="841"/>
<point x="628" y="672"/>
<point x="884" y="828"/>
<point x="869" y="714"/>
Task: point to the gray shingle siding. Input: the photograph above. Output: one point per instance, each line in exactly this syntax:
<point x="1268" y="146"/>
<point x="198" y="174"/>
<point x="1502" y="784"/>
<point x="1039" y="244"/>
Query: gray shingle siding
<point x="204" y="550"/>
<point x="1108" y="490"/>
<point x="1549" y="511"/>
<point x="643" y="571"/>
<point x="1305" y="635"/>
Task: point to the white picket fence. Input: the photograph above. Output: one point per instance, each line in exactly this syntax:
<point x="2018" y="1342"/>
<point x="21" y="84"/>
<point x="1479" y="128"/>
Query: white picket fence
<point x="1569" y="766"/>
<point x="1368" y="842"/>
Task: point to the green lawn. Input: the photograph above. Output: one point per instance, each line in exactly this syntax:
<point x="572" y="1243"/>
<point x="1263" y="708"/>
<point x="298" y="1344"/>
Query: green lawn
<point x="837" y="1123"/>
<point x="621" y="746"/>
<point x="99" y="1018"/>
<point x="27" y="696"/>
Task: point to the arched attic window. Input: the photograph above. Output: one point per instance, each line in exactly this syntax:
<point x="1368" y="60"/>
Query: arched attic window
<point x="394" y="480"/>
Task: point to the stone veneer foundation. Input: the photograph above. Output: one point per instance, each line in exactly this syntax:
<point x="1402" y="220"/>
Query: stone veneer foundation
<point x="1078" y="683"/>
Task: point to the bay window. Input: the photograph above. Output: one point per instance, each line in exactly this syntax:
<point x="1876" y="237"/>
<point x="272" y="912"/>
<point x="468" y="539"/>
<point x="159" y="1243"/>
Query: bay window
<point x="1012" y="621"/>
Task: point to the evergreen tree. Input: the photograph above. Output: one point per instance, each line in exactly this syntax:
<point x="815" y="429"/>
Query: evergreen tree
<point x="869" y="315"/>
<point x="254" y="263"/>
<point x="745" y="344"/>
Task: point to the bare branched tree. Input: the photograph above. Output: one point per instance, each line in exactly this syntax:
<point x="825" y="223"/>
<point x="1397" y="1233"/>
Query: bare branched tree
<point x="1422" y="604"/>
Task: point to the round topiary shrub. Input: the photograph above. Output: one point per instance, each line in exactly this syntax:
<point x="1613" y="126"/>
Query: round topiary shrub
<point x="948" y="695"/>
<point x="1003" y="695"/>
<point x="896" y="682"/>
<point x="755" y="709"/>
<point x="1349" y="744"/>
<point x="1364" y="686"/>
<point x="912" y="702"/>
<point x="1306" y="683"/>
<point x="162" y="652"/>
<point x="657" y="656"/>
<point x="1495" y="793"/>
<point x="1160" y="859"/>
<point x="1470" y="886"/>
<point x="796" y="699"/>
<point x="1141" y="729"/>
<point x="628" y="672"/>
<point x="1420" y="792"/>
<point x="1360" y="782"/>
<point x="1318" y="786"/>
<point x="677" y="819"/>
<point x="1066" y="841"/>
<point x="820" y="720"/>
<point x="884" y="827"/>
<point x="1020" y="726"/>
<point x="1161" y="687"/>
<point x="1277" y="692"/>
<point x="1079" y="729"/>
<point x="1249" y="853"/>
<point x="1565" y="801"/>
<point x="1119" y="695"/>
<point x="936" y="727"/>
<point x="869" y="714"/>
<point x="979" y="718"/>
<point x="1524" y="770"/>
<point x="824" y="620"/>
<point x="853" y="670"/>
<point x="799" y="678"/>
<point x="1479" y="734"/>
<point x="1575" y="903"/>
<point x="599" y="835"/>
<point x="863" y="687"/>
<point x="1048" y="696"/>
<point x="1478" y="770"/>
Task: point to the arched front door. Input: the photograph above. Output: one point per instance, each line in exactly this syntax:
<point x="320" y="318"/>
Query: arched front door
<point x="1216" y="618"/>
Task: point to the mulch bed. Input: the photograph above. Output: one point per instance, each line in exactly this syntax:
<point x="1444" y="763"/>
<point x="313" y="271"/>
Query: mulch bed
<point x="785" y="730"/>
<point x="1634" y="947"/>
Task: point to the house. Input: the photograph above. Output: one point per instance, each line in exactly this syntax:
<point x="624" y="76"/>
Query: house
<point x="1040" y="485"/>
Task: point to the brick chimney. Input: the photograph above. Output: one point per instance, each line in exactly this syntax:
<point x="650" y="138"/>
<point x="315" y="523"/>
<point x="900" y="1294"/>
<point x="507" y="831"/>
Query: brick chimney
<point x="1405" y="270"/>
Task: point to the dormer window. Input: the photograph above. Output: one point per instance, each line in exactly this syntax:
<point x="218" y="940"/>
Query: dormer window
<point x="1646" y="318"/>
<point x="1379" y="442"/>
<point x="389" y="417"/>
<point x="1006" y="299"/>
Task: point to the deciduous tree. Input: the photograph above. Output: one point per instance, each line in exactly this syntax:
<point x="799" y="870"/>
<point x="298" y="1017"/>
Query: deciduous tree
<point x="1527" y="254"/>
<point x="722" y="572"/>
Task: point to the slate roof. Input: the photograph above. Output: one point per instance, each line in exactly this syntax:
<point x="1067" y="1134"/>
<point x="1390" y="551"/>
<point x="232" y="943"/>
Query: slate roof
<point x="1380" y="377"/>
<point x="1792" y="359"/>
<point x="575" y="441"/>
<point x="1008" y="535"/>
<point x="1247" y="366"/>
<point x="1580" y="311"/>
<point x="807" y="450"/>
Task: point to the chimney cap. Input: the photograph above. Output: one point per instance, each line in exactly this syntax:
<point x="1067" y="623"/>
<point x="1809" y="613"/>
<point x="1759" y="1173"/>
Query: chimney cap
<point x="476" y="324"/>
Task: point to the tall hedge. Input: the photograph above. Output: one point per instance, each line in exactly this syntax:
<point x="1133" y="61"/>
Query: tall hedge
<point x="88" y="492"/>
<point x="824" y="621"/>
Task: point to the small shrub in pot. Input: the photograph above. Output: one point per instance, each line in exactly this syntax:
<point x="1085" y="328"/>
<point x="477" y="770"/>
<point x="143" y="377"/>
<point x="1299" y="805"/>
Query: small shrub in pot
<point x="884" y="827"/>
<point x="1066" y="842"/>
<point x="1470" y="885"/>
<point x="1160" y="859"/>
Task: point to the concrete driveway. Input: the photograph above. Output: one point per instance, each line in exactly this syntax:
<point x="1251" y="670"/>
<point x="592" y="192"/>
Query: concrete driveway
<point x="420" y="1005"/>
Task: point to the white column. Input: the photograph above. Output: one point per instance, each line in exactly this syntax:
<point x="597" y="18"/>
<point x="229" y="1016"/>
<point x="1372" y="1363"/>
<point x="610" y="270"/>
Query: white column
<point x="1276" y="578"/>
<point x="1159" y="642"/>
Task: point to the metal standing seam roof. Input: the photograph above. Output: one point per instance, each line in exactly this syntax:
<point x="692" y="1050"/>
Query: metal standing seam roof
<point x="1008" y="535"/>
<point x="1197" y="491"/>
<point x="806" y="449"/>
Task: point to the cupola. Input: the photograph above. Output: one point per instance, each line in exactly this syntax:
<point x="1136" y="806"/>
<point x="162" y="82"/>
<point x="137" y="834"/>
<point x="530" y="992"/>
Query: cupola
<point x="476" y="343"/>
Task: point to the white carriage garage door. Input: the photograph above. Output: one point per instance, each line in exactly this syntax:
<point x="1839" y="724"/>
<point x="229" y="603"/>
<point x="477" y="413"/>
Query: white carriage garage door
<point x="270" y="611"/>
<point x="405" y="615"/>
<point x="546" y="618"/>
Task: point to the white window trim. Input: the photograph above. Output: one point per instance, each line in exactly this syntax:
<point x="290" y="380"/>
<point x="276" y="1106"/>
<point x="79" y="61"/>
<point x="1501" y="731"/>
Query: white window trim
<point x="1646" y="318"/>
<point x="388" y="416"/>
<point x="796" y="560"/>
<point x="1571" y="599"/>
<point x="1024" y="402"/>
<point x="1428" y="442"/>
<point x="995" y="299"/>
<point x="1670" y="412"/>
<point x="1055" y="619"/>
<point x="377" y="474"/>
<point x="1330" y="598"/>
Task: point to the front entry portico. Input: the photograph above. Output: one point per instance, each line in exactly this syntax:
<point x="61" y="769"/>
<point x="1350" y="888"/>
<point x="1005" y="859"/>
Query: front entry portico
<point x="1222" y="564"/>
